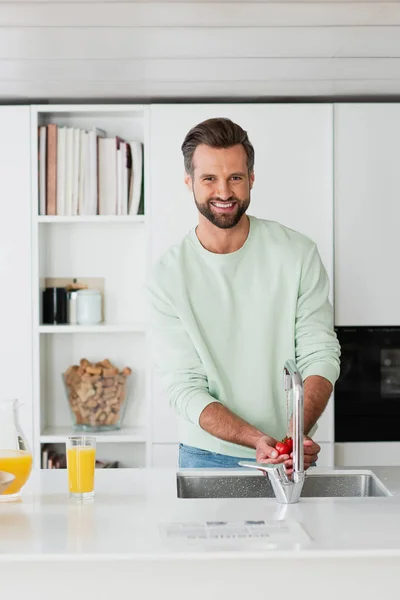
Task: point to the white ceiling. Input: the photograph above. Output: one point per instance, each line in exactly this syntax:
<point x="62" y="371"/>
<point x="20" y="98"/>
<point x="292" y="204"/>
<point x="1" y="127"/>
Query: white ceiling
<point x="87" y="50"/>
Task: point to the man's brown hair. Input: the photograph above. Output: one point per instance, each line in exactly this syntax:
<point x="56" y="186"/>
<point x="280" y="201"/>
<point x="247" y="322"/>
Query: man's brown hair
<point x="217" y="133"/>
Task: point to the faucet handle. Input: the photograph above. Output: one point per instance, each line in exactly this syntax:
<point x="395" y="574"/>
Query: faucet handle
<point x="277" y="469"/>
<point x="262" y="466"/>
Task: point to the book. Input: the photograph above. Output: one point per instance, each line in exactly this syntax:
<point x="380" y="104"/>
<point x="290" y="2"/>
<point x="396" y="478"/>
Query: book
<point x="93" y="173"/>
<point x="108" y="176"/>
<point x="42" y="169"/>
<point x="123" y="174"/>
<point x="135" y="186"/>
<point x="51" y="170"/>
<point x="127" y="179"/>
<point x="75" y="171"/>
<point x="69" y="173"/>
<point x="84" y="173"/>
<point x="61" y="164"/>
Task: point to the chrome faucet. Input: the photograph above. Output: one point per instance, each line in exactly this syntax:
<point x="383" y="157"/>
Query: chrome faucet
<point x="288" y="490"/>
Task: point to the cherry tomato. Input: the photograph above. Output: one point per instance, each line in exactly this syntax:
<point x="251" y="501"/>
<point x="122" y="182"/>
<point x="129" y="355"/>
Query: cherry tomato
<point x="289" y="442"/>
<point x="282" y="448"/>
<point x="285" y="446"/>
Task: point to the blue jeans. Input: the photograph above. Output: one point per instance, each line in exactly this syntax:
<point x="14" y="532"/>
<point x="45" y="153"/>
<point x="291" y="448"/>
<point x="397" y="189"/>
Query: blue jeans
<point x="196" y="458"/>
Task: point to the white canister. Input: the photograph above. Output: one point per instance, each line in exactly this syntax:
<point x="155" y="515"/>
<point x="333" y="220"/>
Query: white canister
<point x="88" y="307"/>
<point x="72" y="297"/>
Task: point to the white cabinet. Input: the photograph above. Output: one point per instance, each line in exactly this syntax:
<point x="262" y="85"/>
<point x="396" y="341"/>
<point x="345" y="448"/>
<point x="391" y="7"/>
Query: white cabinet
<point x="326" y="424"/>
<point x="15" y="261"/>
<point x="165" y="456"/>
<point x="164" y="422"/>
<point x="293" y="185"/>
<point x="367" y="214"/>
<point x="367" y="454"/>
<point x="326" y="456"/>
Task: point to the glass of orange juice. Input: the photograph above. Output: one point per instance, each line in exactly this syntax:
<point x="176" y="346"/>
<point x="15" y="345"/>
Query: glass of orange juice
<point x="81" y="461"/>
<point x="15" y="456"/>
<point x="18" y="463"/>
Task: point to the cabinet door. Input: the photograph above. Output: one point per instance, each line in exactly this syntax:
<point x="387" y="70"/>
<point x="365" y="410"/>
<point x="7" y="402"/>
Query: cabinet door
<point x="15" y="260"/>
<point x="293" y="181"/>
<point x="326" y="456"/>
<point x="367" y="454"/>
<point x="326" y="424"/>
<point x="164" y="456"/>
<point x="367" y="214"/>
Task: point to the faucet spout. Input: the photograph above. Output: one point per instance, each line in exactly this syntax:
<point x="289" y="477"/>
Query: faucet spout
<point x="287" y="490"/>
<point x="292" y="381"/>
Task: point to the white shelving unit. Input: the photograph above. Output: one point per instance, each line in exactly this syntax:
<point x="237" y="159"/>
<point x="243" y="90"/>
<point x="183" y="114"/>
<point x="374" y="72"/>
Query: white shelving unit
<point x="111" y="247"/>
<point x="127" y="435"/>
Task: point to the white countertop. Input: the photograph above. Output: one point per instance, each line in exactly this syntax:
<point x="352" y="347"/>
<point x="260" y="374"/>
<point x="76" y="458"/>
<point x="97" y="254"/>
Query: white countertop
<point x="133" y="510"/>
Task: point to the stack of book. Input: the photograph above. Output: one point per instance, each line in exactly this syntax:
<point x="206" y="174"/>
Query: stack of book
<point x="84" y="172"/>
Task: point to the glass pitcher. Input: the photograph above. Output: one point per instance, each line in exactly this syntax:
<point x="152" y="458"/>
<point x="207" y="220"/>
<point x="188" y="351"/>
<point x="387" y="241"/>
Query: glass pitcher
<point x="15" y="456"/>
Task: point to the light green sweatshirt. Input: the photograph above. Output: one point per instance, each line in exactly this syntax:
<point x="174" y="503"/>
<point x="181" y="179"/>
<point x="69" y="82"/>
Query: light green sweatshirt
<point x="222" y="325"/>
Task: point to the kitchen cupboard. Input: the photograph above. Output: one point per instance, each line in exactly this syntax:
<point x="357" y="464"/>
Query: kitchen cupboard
<point x="15" y="261"/>
<point x="367" y="213"/>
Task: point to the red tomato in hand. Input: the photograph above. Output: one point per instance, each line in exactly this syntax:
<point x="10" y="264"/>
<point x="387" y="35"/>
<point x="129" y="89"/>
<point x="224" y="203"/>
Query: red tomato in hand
<point x="282" y="448"/>
<point x="285" y="446"/>
<point x="289" y="442"/>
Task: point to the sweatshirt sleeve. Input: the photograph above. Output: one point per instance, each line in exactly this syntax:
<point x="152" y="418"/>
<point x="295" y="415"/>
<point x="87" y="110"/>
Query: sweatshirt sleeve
<point x="316" y="343"/>
<point x="174" y="357"/>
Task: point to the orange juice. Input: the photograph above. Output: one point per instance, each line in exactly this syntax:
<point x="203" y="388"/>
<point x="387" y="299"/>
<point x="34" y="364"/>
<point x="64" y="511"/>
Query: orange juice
<point x="81" y="463"/>
<point x="19" y="463"/>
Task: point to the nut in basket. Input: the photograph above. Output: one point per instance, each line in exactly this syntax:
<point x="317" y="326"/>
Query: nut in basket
<point x="97" y="394"/>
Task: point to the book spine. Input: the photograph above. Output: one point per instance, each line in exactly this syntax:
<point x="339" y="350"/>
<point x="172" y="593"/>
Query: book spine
<point x="51" y="182"/>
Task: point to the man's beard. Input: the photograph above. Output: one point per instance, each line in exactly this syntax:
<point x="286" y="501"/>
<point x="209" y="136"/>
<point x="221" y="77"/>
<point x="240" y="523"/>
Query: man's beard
<point x="221" y="220"/>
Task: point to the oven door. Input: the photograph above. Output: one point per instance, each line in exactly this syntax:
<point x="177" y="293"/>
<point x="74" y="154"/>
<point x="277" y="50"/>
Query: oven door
<point x="367" y="393"/>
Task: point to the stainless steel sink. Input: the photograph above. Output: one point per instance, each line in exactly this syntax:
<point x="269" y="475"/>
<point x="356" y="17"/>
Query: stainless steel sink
<point x="210" y="484"/>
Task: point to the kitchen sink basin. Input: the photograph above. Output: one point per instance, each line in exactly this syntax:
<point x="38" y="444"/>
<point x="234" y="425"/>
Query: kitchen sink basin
<point x="346" y="484"/>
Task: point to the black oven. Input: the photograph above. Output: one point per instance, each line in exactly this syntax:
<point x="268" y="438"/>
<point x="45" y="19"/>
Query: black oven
<point x="367" y="393"/>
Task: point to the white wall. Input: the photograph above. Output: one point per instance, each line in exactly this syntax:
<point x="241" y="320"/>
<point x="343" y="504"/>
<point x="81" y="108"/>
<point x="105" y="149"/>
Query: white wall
<point x="15" y="261"/>
<point x="90" y="49"/>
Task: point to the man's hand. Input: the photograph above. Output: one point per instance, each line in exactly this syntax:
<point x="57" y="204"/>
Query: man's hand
<point x="311" y="450"/>
<point x="266" y="452"/>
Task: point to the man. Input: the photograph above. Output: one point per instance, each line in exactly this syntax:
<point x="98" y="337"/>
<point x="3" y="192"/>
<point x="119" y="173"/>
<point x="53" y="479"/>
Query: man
<point x="228" y="305"/>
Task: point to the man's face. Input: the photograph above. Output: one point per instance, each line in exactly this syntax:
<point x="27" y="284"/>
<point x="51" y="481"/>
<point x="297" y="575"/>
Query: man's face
<point x="221" y="184"/>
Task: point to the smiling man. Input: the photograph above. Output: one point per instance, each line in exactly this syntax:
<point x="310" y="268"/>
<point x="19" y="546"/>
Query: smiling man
<point x="228" y="305"/>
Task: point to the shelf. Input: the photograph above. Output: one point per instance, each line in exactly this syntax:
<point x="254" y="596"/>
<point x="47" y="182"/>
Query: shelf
<point x="54" y="435"/>
<point x="92" y="219"/>
<point x="128" y="328"/>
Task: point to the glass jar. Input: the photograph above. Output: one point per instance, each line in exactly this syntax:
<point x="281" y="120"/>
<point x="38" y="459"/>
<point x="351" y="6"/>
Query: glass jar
<point x="88" y="307"/>
<point x="15" y="455"/>
<point x="97" y="405"/>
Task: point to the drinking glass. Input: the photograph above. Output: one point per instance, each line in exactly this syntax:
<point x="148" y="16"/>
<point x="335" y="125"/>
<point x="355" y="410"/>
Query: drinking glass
<point x="81" y="461"/>
<point x="15" y="455"/>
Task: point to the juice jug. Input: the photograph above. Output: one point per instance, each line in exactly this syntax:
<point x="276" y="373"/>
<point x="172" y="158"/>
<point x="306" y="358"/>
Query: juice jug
<point x="15" y="456"/>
